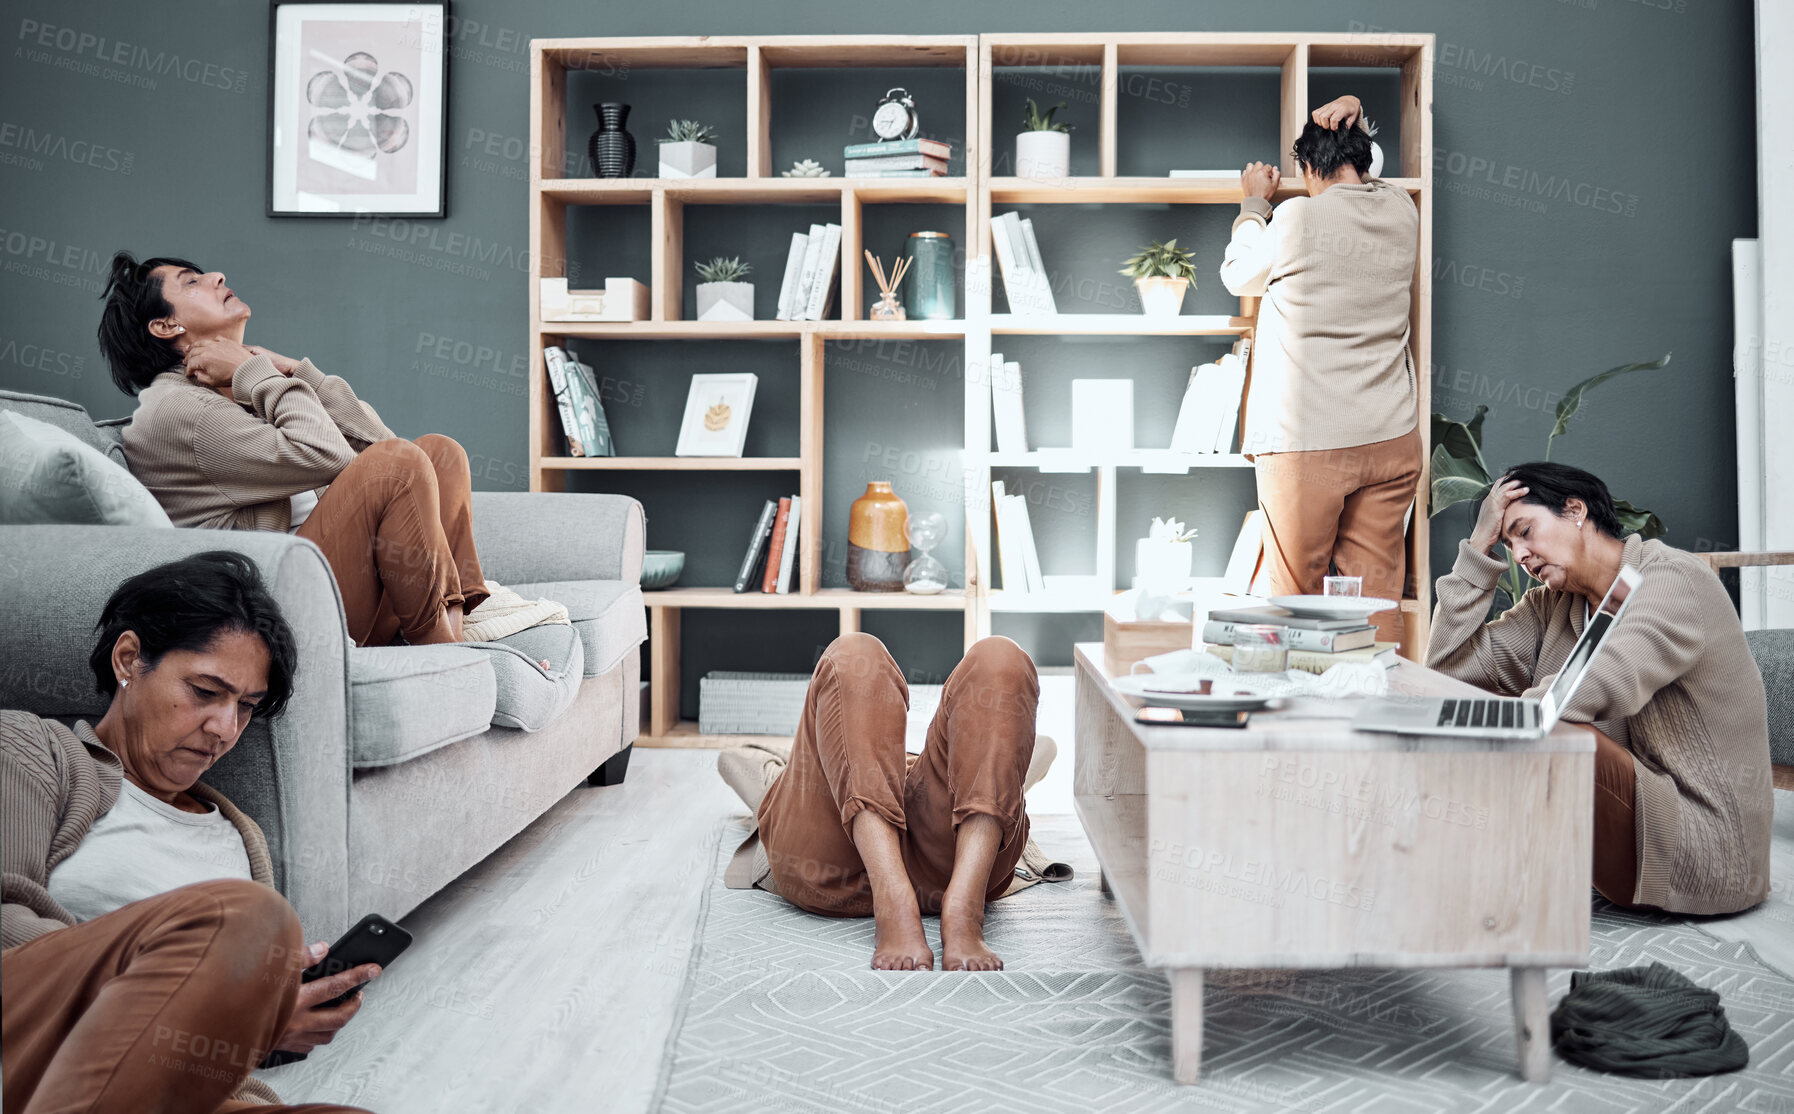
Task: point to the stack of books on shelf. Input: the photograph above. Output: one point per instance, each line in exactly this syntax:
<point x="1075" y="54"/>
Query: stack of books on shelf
<point x="1208" y="419"/>
<point x="899" y="158"/>
<point x="1315" y="645"/>
<point x="812" y="268"/>
<point x="1017" y="557"/>
<point x="575" y="389"/>
<point x="1025" y="279"/>
<point x="770" y="564"/>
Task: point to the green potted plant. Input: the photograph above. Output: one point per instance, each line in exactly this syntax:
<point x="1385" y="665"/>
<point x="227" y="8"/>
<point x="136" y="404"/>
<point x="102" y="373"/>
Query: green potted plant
<point x="722" y="296"/>
<point x="1043" y="146"/>
<point x="688" y="150"/>
<point x="1162" y="273"/>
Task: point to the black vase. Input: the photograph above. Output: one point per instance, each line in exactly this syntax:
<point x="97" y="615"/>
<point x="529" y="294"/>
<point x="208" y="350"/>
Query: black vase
<point x="612" y="148"/>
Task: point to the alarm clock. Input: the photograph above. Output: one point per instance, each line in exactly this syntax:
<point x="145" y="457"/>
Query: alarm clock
<point x="895" y="117"/>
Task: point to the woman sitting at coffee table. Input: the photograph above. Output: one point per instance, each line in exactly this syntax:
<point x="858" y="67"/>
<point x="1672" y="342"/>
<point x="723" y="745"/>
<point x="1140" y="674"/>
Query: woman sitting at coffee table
<point x="1683" y="797"/>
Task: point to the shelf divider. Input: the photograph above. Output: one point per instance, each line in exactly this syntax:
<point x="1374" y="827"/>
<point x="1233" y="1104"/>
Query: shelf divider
<point x="1106" y="137"/>
<point x="759" y="114"/>
<point x="1295" y="108"/>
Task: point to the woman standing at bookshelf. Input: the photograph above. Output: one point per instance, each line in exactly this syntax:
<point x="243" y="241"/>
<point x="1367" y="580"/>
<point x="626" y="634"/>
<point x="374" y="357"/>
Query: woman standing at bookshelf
<point x="234" y="437"/>
<point x="1331" y="419"/>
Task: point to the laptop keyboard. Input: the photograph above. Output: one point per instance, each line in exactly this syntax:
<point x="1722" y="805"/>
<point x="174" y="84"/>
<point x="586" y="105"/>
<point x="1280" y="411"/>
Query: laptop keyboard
<point x="1495" y="713"/>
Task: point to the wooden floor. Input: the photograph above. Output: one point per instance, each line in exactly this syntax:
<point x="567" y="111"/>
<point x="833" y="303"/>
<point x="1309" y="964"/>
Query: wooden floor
<point x="547" y="978"/>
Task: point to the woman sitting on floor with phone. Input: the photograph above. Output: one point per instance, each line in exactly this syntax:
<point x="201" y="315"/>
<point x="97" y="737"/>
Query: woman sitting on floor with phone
<point x="149" y="963"/>
<point x="235" y="437"/>
<point x="1683" y="797"/>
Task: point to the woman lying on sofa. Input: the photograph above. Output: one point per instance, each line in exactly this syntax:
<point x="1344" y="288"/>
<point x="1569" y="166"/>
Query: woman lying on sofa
<point x="1683" y="798"/>
<point x="236" y="437"/>
<point x="149" y="964"/>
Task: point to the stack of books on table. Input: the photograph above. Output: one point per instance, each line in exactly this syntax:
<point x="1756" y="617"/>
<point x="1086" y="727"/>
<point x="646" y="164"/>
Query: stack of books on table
<point x="1315" y="645"/>
<point x="898" y="158"/>
<point x="770" y="564"/>
<point x="812" y="267"/>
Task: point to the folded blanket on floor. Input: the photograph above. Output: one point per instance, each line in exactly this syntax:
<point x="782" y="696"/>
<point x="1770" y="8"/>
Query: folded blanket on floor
<point x="505" y="613"/>
<point x="1646" y="1021"/>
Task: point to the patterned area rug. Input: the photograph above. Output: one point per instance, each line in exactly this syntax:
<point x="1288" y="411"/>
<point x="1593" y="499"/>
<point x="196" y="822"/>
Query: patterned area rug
<point x="782" y="1013"/>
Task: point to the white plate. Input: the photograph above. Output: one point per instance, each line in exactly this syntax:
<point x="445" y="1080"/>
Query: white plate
<point x="1160" y="690"/>
<point x="1333" y="607"/>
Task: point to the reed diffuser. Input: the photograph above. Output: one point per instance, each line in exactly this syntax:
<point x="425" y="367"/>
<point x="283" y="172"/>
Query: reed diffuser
<point x="887" y="308"/>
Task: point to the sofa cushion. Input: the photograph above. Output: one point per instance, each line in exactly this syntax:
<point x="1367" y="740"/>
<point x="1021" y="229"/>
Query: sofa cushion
<point x="49" y="476"/>
<point x="1774" y="651"/>
<point x="608" y="614"/>
<point x="538" y="672"/>
<point x="409" y="700"/>
<point x="68" y="416"/>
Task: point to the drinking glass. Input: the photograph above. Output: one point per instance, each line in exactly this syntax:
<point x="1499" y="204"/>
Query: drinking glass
<point x="1342" y="586"/>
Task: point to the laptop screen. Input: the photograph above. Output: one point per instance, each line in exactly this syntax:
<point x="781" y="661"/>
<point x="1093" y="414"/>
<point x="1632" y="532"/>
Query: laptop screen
<point x="1596" y="629"/>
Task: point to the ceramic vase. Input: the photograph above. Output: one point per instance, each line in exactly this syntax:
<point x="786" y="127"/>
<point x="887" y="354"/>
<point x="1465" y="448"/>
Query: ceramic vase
<point x="1161" y="297"/>
<point x="612" y="148"/>
<point x="877" y="540"/>
<point x="725" y="301"/>
<point x="1042" y="154"/>
<point x="687" y="159"/>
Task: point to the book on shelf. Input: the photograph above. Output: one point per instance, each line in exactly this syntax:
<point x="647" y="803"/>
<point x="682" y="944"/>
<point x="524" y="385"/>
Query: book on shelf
<point x="788" y="551"/>
<point x="935" y="148"/>
<point x="1247" y="557"/>
<point x="1209" y="414"/>
<point x="1320" y="641"/>
<point x="1312" y="661"/>
<point x="794" y="269"/>
<point x="1271" y="615"/>
<point x="1030" y="554"/>
<point x="900" y="174"/>
<point x="1231" y="389"/>
<point x="575" y="389"/>
<point x="806" y="275"/>
<point x="857" y="167"/>
<point x="1026" y="285"/>
<point x="776" y="547"/>
<point x="1006" y="404"/>
<point x="828" y="266"/>
<point x="1017" y="556"/>
<point x="755" y="556"/>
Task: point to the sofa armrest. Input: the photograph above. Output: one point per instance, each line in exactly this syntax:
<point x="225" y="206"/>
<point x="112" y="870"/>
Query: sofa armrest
<point x="529" y="537"/>
<point x="290" y="775"/>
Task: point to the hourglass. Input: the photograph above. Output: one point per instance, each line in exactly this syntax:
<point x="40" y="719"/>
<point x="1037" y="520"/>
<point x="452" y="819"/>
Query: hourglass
<point x="926" y="576"/>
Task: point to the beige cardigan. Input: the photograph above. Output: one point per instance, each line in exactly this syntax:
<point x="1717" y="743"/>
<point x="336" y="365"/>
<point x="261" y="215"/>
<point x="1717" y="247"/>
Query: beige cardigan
<point x="1675" y="684"/>
<point x="235" y="465"/>
<point x="54" y="783"/>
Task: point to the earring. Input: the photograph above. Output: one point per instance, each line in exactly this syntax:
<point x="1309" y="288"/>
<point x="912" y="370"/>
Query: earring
<point x="124" y="682"/>
<point x="180" y="328"/>
<point x="1579" y="524"/>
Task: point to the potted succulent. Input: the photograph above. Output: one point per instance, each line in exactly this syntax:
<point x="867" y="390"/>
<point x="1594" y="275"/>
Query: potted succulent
<point x="1043" y="146"/>
<point x="1162" y="273"/>
<point x="688" y="150"/>
<point x="722" y="296"/>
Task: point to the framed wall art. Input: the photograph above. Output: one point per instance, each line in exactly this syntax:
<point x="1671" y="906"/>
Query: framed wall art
<point x="358" y="111"/>
<point x="716" y="415"/>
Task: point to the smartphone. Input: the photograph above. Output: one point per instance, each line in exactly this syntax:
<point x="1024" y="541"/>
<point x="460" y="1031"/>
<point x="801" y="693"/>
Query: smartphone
<point x="1175" y="717"/>
<point x="374" y="939"/>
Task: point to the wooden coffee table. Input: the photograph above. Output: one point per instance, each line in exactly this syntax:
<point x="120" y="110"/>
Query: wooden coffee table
<point x="1298" y="842"/>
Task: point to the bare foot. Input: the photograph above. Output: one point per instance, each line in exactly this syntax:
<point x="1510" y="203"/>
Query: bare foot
<point x="962" y="937"/>
<point x="901" y="945"/>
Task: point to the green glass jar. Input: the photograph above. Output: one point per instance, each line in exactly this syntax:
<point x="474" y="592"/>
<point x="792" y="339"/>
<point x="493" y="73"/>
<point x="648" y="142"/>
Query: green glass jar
<point x="930" y="277"/>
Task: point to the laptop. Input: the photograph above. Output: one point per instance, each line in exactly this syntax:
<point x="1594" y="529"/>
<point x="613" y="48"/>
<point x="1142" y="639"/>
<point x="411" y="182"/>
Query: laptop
<point x="1502" y="717"/>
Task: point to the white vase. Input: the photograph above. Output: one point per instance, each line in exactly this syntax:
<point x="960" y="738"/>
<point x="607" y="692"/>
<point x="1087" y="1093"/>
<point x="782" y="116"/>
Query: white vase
<point x="1162" y="564"/>
<point x="1042" y="154"/>
<point x="725" y="301"/>
<point x="1161" y="297"/>
<point x="687" y="160"/>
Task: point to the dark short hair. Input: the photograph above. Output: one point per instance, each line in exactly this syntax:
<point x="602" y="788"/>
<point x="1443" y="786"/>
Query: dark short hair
<point x="1552" y="486"/>
<point x="133" y="299"/>
<point x="1325" y="150"/>
<point x="185" y="605"/>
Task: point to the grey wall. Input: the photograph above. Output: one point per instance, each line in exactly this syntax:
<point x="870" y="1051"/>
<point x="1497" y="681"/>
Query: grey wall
<point x="1594" y="162"/>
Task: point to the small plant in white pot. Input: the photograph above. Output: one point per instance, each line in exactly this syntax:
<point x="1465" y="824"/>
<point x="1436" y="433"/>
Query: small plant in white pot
<point x="1043" y="146"/>
<point x="722" y="296"/>
<point x="688" y="150"/>
<point x="1162" y="273"/>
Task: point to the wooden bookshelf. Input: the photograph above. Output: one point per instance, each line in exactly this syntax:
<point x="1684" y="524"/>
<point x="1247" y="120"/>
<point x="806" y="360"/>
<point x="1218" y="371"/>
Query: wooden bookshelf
<point x="758" y="58"/>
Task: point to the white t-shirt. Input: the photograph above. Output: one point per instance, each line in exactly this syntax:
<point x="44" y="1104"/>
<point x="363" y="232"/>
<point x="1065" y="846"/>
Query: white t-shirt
<point x="303" y="503"/>
<point x="143" y="847"/>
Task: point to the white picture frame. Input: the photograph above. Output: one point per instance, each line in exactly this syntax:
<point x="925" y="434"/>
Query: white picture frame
<point x="717" y="410"/>
<point x="357" y="109"/>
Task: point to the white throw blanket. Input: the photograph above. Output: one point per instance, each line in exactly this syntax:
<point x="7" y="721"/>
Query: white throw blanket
<point x="505" y="613"/>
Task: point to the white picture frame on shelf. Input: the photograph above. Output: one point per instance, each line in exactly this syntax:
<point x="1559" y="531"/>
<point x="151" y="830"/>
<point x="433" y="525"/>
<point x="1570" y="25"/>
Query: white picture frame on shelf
<point x="717" y="410"/>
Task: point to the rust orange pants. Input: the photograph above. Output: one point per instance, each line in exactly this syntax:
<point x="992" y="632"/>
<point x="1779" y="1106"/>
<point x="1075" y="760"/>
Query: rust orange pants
<point x="848" y="755"/>
<point x="1340" y="508"/>
<point x="165" y="1004"/>
<point x="396" y="526"/>
<point x="1616" y="823"/>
